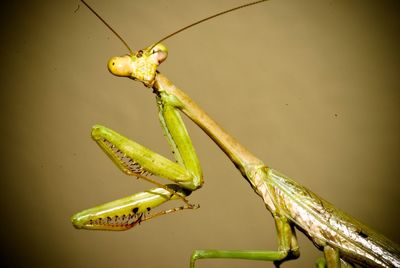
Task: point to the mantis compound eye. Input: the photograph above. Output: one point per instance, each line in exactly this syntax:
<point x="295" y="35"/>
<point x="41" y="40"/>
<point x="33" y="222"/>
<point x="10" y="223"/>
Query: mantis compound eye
<point x="159" y="52"/>
<point x="120" y="66"/>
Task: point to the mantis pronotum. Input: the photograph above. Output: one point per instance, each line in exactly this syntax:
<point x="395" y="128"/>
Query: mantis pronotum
<point x="342" y="239"/>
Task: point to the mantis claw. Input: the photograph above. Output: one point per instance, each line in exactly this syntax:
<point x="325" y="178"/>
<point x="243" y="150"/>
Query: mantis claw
<point x="127" y="212"/>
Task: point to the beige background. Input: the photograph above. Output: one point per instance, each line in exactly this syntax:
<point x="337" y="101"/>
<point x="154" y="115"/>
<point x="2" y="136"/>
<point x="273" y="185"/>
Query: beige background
<point x="311" y="87"/>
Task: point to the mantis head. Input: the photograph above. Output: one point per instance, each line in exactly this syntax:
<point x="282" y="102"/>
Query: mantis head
<point x="141" y="65"/>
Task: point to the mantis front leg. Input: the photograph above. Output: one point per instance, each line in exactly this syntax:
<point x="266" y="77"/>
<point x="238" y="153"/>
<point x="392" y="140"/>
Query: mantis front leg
<point x="137" y="160"/>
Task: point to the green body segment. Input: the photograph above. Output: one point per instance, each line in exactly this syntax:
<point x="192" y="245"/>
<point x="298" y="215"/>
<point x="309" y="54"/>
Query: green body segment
<point x="179" y="140"/>
<point x="135" y="159"/>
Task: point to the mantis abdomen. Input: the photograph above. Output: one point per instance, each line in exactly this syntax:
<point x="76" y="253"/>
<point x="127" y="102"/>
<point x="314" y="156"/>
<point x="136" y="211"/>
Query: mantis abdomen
<point x="326" y="225"/>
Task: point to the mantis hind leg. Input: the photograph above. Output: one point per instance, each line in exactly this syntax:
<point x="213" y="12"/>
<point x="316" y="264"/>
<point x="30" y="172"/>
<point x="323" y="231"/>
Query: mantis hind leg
<point x="287" y="250"/>
<point x="332" y="259"/>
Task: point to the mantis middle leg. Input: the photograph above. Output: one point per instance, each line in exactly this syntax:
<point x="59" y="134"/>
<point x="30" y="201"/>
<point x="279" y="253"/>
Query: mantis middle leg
<point x="287" y="248"/>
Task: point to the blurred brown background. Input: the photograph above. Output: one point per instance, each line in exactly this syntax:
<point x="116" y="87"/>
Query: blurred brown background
<point x="311" y="87"/>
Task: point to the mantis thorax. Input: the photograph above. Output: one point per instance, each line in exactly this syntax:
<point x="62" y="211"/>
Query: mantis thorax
<point x="141" y="65"/>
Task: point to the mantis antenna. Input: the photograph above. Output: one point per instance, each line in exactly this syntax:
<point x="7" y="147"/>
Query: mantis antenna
<point x="108" y="26"/>
<point x="206" y="19"/>
<point x="176" y="32"/>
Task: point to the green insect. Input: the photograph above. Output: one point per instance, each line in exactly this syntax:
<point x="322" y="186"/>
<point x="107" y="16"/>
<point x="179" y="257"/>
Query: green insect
<point x="343" y="240"/>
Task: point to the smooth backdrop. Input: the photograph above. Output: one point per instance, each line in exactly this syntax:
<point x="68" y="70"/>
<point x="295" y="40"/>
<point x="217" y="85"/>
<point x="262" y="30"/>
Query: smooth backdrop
<point x="311" y="87"/>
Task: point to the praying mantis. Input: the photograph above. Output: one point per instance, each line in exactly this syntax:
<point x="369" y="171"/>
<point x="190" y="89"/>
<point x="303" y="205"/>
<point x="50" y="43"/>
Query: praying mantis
<point x="342" y="239"/>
